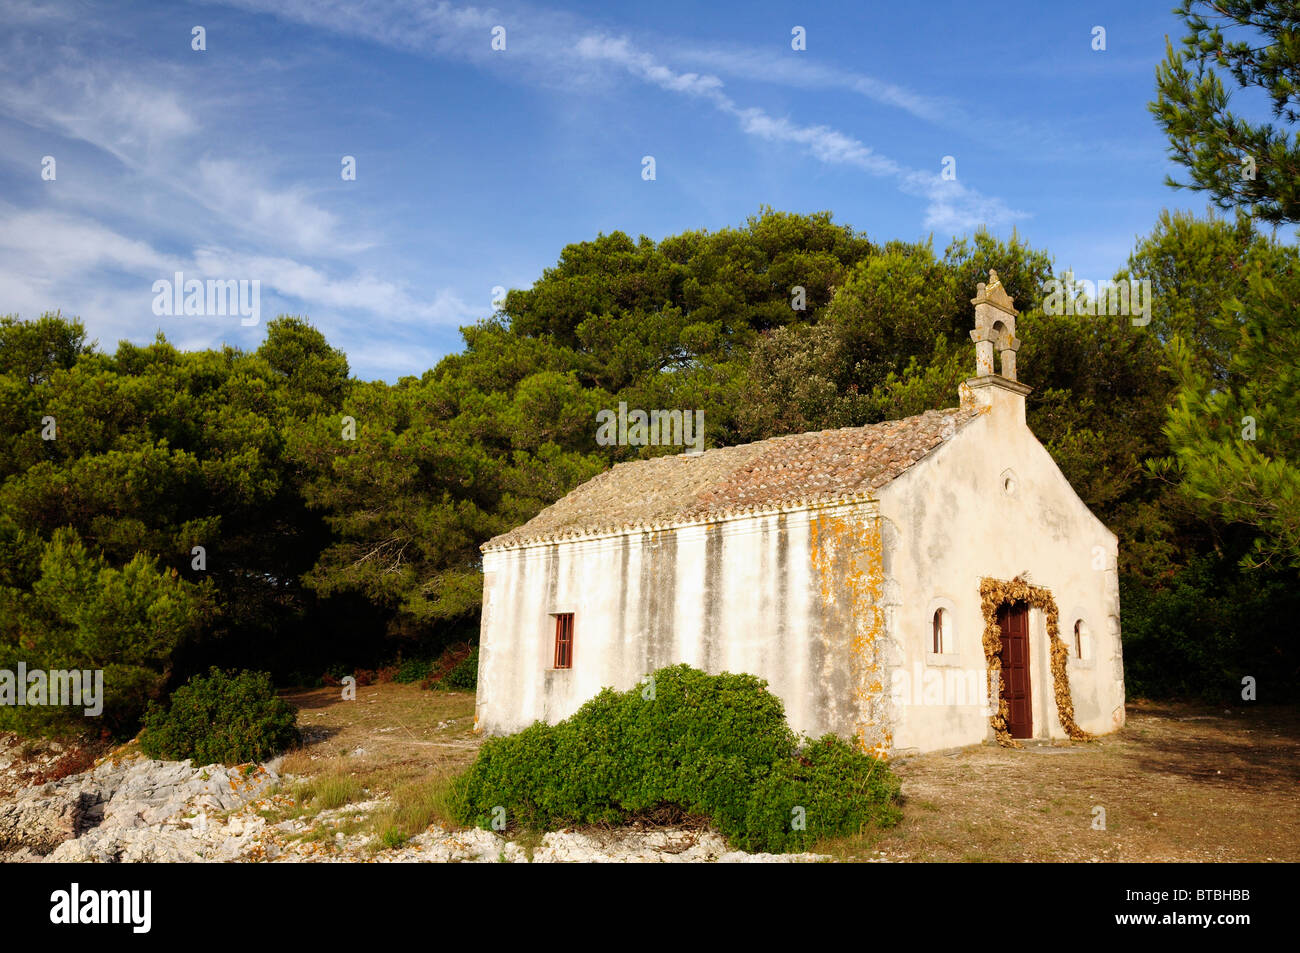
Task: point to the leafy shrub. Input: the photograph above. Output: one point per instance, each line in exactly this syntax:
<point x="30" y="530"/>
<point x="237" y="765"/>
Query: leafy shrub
<point x="464" y="674"/>
<point x="832" y="789"/>
<point x="716" y="746"/>
<point x="221" y="717"/>
<point x="414" y="670"/>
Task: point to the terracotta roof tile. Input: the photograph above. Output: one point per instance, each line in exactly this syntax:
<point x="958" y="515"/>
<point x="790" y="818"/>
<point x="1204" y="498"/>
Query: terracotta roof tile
<point x="800" y="469"/>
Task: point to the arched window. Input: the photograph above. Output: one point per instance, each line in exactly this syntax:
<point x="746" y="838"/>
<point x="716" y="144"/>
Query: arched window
<point x="1080" y="638"/>
<point x="999" y="336"/>
<point x="942" y="631"/>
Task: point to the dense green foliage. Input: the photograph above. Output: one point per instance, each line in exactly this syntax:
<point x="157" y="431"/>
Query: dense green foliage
<point x="164" y="511"/>
<point x="1206" y="629"/>
<point x="831" y="786"/>
<point x="77" y="612"/>
<point x="465" y="673"/>
<point x="1232" y="342"/>
<point x="412" y="670"/>
<point x="1241" y="164"/>
<point x="714" y="746"/>
<point x="152" y="452"/>
<point x="225" y="717"/>
<point x="1233" y="432"/>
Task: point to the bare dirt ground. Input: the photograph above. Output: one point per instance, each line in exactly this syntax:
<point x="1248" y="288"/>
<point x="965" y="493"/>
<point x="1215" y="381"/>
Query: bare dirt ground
<point x="1180" y="782"/>
<point x="390" y="735"/>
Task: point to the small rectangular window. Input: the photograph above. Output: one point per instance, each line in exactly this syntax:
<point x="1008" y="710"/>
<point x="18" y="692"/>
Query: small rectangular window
<point x="564" y="640"/>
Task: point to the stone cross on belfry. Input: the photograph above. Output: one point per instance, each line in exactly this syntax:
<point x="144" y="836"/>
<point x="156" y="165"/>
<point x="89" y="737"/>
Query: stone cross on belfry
<point x="995" y="328"/>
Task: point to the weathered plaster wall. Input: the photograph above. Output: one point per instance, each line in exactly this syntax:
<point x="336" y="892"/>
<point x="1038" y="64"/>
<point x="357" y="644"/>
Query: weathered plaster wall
<point x="950" y="521"/>
<point x="789" y="596"/>
<point x="828" y="605"/>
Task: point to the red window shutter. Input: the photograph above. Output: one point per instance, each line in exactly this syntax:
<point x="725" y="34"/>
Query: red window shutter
<point x="564" y="640"/>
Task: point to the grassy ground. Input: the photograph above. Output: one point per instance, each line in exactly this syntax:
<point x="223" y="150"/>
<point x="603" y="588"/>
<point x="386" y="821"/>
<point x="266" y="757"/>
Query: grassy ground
<point x="1179" y="783"/>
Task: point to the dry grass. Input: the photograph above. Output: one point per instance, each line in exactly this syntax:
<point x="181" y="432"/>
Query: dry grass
<point x="413" y="808"/>
<point x="395" y="742"/>
<point x="1179" y="783"/>
<point x="325" y="792"/>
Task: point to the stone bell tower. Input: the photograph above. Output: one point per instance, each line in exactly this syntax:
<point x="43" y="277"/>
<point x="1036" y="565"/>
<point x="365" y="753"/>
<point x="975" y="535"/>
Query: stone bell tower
<point x="995" y="328"/>
<point x="994" y="385"/>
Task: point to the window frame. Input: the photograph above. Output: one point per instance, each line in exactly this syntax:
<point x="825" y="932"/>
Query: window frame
<point x="1082" y="648"/>
<point x="943" y="610"/>
<point x="562" y="657"/>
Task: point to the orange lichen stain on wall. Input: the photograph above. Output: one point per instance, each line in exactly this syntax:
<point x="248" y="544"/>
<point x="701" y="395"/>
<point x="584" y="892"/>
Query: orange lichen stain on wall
<point x="848" y="556"/>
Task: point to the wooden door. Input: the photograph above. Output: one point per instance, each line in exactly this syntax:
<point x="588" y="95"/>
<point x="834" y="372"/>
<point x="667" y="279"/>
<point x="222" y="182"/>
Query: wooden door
<point x="1013" y="620"/>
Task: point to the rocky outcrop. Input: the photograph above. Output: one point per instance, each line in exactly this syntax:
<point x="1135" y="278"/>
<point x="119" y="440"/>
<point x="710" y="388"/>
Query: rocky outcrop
<point x="616" y="846"/>
<point x="131" y="809"/>
<point x="140" y="811"/>
<point x="42" y="818"/>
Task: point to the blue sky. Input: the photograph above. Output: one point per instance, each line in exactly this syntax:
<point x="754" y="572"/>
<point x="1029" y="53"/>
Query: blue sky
<point x="475" y="167"/>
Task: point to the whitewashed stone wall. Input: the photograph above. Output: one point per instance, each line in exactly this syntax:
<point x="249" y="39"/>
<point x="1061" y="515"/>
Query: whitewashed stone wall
<point x="992" y="503"/>
<point x="827" y="605"/>
<point x="741" y="595"/>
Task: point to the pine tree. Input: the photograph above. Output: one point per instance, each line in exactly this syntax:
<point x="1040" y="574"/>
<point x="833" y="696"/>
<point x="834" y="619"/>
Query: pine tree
<point x="1240" y="163"/>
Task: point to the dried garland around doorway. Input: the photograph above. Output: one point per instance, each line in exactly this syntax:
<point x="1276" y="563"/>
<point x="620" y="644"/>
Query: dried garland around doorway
<point x="995" y="592"/>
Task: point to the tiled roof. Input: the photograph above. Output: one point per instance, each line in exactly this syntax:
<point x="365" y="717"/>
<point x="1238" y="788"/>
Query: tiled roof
<point x="801" y="469"/>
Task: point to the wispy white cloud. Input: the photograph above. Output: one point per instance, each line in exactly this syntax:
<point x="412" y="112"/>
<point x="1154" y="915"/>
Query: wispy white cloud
<point x="152" y="128"/>
<point x="57" y="260"/>
<point x="126" y="117"/>
<point x="801" y="73"/>
<point x="236" y="190"/>
<point x="950" y="206"/>
<point x="211" y="213"/>
<point x="596" y="47"/>
<point x="822" y="142"/>
<point x="555" y="46"/>
<point x="362" y="291"/>
<point x="35" y="11"/>
<point x="94" y="249"/>
<point x="69" y="243"/>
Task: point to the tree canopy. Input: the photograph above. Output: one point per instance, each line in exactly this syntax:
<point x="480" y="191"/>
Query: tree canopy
<point x="266" y="509"/>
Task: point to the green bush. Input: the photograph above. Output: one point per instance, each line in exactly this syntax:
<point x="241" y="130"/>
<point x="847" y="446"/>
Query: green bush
<point x="715" y="746"/>
<point x="831" y="789"/>
<point x="465" y="673"/>
<point x="224" y="717"/>
<point x="415" y="670"/>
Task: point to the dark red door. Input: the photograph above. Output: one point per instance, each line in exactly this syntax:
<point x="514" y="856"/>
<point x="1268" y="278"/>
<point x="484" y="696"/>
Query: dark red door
<point x="1013" y="620"/>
